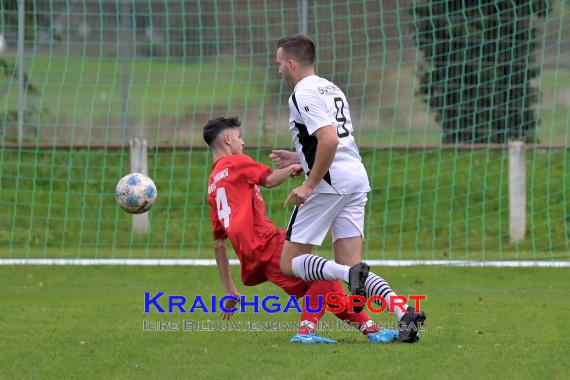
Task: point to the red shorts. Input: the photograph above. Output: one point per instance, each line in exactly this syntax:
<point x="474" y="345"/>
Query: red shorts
<point x="271" y="272"/>
<point x="291" y="285"/>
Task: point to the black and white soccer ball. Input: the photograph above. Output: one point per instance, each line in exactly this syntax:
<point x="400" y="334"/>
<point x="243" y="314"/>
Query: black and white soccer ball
<point x="135" y="193"/>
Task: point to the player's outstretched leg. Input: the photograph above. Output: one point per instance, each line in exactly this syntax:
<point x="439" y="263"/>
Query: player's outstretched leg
<point x="409" y="320"/>
<point x="377" y="286"/>
<point x="363" y="322"/>
<point x="313" y="300"/>
<point x="410" y="324"/>
<point x="315" y="268"/>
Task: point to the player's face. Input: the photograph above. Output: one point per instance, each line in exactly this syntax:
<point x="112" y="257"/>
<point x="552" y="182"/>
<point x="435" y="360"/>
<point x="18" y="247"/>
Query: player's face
<point x="235" y="141"/>
<point x="285" y="66"/>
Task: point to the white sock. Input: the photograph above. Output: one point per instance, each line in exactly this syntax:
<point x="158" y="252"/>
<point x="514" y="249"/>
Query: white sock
<point x="315" y="268"/>
<point x="377" y="286"/>
<point x="309" y="326"/>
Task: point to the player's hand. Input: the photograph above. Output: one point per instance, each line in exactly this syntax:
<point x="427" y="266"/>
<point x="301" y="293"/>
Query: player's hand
<point x="283" y="158"/>
<point x="296" y="170"/>
<point x="229" y="304"/>
<point x="299" y="195"/>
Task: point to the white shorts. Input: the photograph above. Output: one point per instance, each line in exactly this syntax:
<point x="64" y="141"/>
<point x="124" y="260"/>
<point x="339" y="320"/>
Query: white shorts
<point x="311" y="221"/>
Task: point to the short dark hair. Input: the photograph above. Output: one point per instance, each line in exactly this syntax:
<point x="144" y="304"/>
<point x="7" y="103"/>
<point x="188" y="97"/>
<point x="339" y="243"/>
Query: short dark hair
<point x="300" y="47"/>
<point x="216" y="126"/>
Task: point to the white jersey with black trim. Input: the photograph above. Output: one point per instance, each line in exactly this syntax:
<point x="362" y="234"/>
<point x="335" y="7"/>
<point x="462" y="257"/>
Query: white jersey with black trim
<point x="316" y="103"/>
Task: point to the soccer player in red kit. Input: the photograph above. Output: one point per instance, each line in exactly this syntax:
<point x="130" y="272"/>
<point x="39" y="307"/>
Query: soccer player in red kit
<point x="238" y="214"/>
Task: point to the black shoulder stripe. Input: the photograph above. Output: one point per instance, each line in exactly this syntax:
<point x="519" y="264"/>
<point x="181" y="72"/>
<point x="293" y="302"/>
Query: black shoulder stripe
<point x="295" y="102"/>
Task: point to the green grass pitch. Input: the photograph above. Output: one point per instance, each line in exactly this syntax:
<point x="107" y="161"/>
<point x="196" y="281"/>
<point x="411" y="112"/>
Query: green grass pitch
<point x="87" y="322"/>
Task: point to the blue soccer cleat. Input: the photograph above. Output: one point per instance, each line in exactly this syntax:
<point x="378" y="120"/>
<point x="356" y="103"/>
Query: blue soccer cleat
<point x="384" y="336"/>
<point x="311" y="339"/>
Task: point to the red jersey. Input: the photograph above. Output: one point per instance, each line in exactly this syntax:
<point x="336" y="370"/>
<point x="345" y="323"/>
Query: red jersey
<point x="238" y="213"/>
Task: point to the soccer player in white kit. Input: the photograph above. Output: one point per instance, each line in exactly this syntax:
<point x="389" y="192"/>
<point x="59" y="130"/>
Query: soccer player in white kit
<point x="334" y="193"/>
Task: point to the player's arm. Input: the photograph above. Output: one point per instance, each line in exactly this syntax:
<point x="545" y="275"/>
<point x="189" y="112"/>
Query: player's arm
<point x="223" y="264"/>
<point x="283" y="158"/>
<point x="260" y="174"/>
<point x="320" y="125"/>
<point x="277" y="177"/>
<point x="326" y="150"/>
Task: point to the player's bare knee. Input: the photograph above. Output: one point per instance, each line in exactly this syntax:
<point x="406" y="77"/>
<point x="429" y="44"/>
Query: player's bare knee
<point x="286" y="265"/>
<point x="287" y="255"/>
<point x="348" y="251"/>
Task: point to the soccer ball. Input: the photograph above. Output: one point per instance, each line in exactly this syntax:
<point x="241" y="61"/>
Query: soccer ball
<point x="135" y="193"/>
